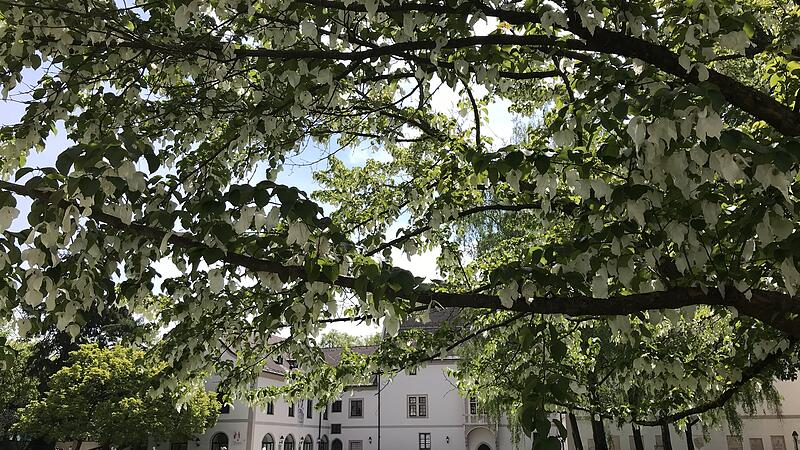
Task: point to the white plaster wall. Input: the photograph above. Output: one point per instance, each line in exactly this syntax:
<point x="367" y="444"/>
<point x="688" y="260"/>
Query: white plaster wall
<point x="762" y="426"/>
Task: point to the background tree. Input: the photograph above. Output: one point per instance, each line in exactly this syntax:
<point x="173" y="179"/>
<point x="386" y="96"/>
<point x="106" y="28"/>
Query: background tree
<point x="19" y="389"/>
<point x="111" y="396"/>
<point x="336" y="338"/>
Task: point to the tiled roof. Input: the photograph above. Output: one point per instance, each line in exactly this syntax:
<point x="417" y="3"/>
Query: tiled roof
<point x="437" y="318"/>
<point x="334" y="354"/>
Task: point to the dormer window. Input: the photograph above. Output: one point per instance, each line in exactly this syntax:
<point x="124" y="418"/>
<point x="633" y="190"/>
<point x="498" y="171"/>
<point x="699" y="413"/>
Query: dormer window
<point x="279" y="359"/>
<point x="292" y="363"/>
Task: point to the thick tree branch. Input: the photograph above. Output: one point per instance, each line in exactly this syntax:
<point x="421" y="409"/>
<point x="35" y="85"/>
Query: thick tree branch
<point x="773" y="308"/>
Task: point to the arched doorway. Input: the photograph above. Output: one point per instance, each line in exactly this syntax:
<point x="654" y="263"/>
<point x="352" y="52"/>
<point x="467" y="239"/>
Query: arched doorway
<point x="288" y="443"/>
<point x="323" y="443"/>
<point x="484" y="447"/>
<point x="268" y="443"/>
<point x="219" y="442"/>
<point x="308" y="443"/>
<point x="336" y="445"/>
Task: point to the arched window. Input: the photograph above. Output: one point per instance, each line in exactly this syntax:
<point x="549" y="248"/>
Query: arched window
<point x="308" y="443"/>
<point x="268" y="443"/>
<point x="288" y="443"/>
<point x="336" y="445"/>
<point x="219" y="442"/>
<point x="323" y="443"/>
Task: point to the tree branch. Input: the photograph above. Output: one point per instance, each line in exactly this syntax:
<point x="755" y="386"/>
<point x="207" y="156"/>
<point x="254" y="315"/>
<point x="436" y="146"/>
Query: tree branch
<point x="774" y="308"/>
<point x="748" y="374"/>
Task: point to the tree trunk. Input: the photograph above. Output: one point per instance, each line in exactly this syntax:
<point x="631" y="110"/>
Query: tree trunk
<point x="599" y="434"/>
<point x="637" y="437"/>
<point x="576" y="433"/>
<point x="665" y="437"/>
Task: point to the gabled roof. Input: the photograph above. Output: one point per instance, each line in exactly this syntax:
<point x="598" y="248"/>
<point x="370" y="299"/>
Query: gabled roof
<point x="334" y="354"/>
<point x="438" y="317"/>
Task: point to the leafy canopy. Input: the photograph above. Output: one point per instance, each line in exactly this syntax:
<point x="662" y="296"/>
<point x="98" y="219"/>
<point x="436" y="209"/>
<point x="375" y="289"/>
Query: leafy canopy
<point x="105" y="396"/>
<point x="660" y="137"/>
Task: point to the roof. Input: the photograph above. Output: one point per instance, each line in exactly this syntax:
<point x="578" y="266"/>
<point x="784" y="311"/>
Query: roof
<point x="334" y="354"/>
<point x="437" y="317"/>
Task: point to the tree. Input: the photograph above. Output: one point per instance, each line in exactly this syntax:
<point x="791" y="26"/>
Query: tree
<point x="19" y="388"/>
<point x="111" y="396"/>
<point x="335" y="338"/>
<point x="667" y="132"/>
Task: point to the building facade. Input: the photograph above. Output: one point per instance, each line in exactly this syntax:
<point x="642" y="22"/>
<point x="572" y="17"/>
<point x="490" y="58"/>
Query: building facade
<point x="424" y="411"/>
<point x="421" y="410"/>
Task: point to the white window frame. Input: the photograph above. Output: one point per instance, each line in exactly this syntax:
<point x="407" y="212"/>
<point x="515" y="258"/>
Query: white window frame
<point x="350" y="408"/>
<point x="414" y="400"/>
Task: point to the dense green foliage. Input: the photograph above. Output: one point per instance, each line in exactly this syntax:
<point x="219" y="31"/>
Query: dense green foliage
<point x="335" y="338"/>
<point x="111" y="396"/>
<point x="655" y="175"/>
<point x="18" y="386"/>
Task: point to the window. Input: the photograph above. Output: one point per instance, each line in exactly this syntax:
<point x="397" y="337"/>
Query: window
<point x="279" y="359"/>
<point x="336" y="428"/>
<point x="418" y="406"/>
<point x="756" y="444"/>
<point x="323" y="443"/>
<point x="219" y="442"/>
<point x="292" y="363"/>
<point x="614" y="442"/>
<point x="308" y="443"/>
<point x="473" y="405"/>
<point x="735" y="443"/>
<point x="309" y="407"/>
<point x="336" y="445"/>
<point x="288" y="443"/>
<point x="291" y="409"/>
<point x="356" y="409"/>
<point x="336" y="406"/>
<point x="778" y="442"/>
<point x="178" y="446"/>
<point x="325" y="413"/>
<point x="268" y="443"/>
<point x="424" y="441"/>
<point x="355" y="445"/>
<point x="271" y="408"/>
<point x="224" y="408"/>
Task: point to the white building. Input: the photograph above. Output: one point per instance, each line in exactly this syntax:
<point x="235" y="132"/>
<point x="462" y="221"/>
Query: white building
<point x="415" y="411"/>
<point x="424" y="411"/>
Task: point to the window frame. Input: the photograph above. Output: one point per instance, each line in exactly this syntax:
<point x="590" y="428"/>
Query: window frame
<point x="418" y="405"/>
<point x="424" y="441"/>
<point x="309" y="409"/>
<point x="270" y="408"/>
<point x="219" y="445"/>
<point x="271" y="442"/>
<point x="291" y="409"/>
<point x="336" y="428"/>
<point x="353" y="441"/>
<point x="473" y="406"/>
<point x="350" y="408"/>
<point x="336" y="406"/>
